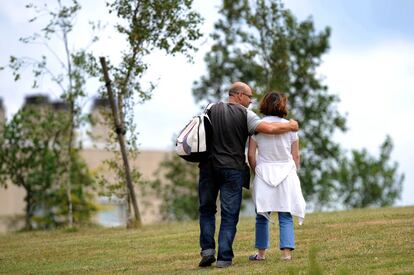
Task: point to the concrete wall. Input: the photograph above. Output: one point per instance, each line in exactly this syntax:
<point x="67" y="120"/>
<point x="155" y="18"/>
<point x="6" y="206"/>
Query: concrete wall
<point x="147" y="163"/>
<point x="11" y="208"/>
<point x="12" y="199"/>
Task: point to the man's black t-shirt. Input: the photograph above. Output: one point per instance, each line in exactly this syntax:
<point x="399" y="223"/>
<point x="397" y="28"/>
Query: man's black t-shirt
<point x="230" y="132"/>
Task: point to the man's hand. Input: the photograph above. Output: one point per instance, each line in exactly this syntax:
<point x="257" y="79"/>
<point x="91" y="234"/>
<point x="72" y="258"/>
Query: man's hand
<point x="294" y="126"/>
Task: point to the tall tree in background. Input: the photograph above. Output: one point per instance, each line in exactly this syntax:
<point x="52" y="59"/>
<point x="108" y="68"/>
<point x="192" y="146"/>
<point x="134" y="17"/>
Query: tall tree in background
<point x="261" y="43"/>
<point x="147" y="25"/>
<point x="33" y="148"/>
<point x="74" y="66"/>
<point x="368" y="181"/>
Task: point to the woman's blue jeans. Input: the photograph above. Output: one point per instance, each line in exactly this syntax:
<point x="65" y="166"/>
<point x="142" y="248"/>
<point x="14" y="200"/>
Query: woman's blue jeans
<point x="286" y="232"/>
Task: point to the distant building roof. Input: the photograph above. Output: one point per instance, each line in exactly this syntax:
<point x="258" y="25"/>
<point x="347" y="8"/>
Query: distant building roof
<point x="38" y="99"/>
<point x="60" y="105"/>
<point x="101" y="102"/>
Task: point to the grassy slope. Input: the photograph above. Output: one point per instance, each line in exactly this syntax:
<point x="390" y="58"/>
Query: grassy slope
<point x="376" y="241"/>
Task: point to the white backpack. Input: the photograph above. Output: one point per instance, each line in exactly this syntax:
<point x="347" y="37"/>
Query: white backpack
<point x="192" y="143"/>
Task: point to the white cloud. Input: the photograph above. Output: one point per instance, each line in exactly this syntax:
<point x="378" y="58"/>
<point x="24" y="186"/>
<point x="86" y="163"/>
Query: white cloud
<point x="375" y="86"/>
<point x="15" y="11"/>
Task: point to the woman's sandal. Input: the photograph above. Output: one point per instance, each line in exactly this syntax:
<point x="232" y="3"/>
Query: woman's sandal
<point x="286" y="258"/>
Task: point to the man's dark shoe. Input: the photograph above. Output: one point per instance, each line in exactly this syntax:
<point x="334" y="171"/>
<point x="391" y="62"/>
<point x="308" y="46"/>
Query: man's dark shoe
<point x="207" y="261"/>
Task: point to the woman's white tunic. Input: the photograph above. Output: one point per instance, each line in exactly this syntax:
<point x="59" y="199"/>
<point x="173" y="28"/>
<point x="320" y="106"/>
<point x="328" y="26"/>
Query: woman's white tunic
<point x="276" y="186"/>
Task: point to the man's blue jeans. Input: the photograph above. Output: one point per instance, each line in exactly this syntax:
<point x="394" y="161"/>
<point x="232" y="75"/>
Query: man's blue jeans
<point x="286" y="232"/>
<point x="229" y="183"/>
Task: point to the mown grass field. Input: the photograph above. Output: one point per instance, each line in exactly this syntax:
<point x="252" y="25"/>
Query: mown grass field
<point x="368" y="241"/>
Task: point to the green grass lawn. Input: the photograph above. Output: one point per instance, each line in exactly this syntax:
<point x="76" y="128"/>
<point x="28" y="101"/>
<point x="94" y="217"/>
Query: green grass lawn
<point x="368" y="241"/>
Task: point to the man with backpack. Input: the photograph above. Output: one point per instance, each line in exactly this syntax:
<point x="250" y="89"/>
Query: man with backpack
<point x="224" y="171"/>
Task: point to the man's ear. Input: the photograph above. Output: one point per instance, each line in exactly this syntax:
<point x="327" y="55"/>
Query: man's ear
<point x="240" y="97"/>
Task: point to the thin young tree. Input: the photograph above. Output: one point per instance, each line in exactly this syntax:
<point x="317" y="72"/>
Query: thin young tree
<point x="69" y="76"/>
<point x="147" y="25"/>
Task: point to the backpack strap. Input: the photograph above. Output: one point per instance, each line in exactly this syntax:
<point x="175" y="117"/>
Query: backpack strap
<point x="208" y="107"/>
<point x="206" y="111"/>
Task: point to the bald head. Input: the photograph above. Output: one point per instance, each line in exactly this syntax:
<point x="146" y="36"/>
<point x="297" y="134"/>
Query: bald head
<point x="240" y="93"/>
<point x="239" y="87"/>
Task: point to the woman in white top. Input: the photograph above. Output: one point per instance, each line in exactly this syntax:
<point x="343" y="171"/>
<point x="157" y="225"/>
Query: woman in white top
<point x="276" y="183"/>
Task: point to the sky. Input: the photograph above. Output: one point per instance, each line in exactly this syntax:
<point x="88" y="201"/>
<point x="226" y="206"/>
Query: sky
<point x="370" y="66"/>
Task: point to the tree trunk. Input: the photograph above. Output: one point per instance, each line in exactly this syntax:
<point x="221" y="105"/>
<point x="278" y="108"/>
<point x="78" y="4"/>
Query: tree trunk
<point x="121" y="139"/>
<point x="29" y="210"/>
<point x="72" y="98"/>
<point x="69" y="166"/>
